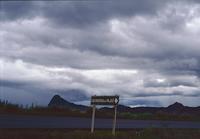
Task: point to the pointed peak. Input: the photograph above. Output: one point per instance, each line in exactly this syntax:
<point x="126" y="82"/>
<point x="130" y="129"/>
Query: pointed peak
<point x="176" y="105"/>
<point x="56" y="96"/>
<point x="58" y="101"/>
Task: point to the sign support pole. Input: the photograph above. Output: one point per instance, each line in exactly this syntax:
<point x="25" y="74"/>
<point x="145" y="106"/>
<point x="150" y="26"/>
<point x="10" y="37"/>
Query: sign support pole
<point x="114" y="121"/>
<point x="104" y="100"/>
<point x="93" y="116"/>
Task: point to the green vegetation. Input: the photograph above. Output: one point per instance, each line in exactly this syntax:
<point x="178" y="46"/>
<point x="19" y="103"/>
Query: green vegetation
<point x="144" y="116"/>
<point x="8" y="108"/>
<point x="158" y="116"/>
<point x="100" y="134"/>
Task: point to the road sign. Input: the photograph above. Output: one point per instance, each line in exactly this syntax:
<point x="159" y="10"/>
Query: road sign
<point x="104" y="100"/>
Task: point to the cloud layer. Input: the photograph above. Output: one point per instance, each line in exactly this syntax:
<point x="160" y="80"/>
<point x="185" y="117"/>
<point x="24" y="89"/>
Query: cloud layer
<point x="147" y="52"/>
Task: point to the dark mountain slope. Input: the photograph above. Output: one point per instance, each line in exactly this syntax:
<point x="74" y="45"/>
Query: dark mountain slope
<point x="176" y="108"/>
<point x="58" y="101"/>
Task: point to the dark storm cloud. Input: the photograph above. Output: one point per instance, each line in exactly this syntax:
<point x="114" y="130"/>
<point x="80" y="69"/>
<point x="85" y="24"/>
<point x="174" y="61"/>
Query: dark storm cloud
<point x="79" y="13"/>
<point x="164" y="51"/>
<point x="73" y="95"/>
<point x="13" y="84"/>
<point x="141" y="48"/>
<point x="12" y="10"/>
<point x="25" y="95"/>
<point x="95" y="11"/>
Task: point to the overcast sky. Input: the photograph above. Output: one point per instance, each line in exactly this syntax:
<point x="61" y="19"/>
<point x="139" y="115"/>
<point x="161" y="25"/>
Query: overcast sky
<point x="146" y="51"/>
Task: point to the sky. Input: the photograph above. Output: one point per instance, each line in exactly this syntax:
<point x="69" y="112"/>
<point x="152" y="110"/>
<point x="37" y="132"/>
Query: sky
<point x="145" y="51"/>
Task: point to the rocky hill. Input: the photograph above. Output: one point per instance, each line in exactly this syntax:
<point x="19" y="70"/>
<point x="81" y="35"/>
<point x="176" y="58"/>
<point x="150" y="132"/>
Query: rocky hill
<point x="58" y="101"/>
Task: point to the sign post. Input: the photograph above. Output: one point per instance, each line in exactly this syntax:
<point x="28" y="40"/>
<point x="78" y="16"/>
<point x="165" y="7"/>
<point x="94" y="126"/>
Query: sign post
<point x="93" y="115"/>
<point x="114" y="121"/>
<point x="104" y="100"/>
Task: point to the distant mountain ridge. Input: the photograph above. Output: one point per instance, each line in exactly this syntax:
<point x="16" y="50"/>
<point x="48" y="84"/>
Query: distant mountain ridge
<point x="176" y="108"/>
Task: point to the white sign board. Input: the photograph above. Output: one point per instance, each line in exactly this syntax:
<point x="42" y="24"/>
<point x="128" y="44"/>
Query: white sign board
<point x="104" y="100"/>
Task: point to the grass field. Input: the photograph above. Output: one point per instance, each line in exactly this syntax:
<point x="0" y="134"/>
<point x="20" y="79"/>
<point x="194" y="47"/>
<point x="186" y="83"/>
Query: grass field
<point x="99" y="134"/>
<point x="8" y="108"/>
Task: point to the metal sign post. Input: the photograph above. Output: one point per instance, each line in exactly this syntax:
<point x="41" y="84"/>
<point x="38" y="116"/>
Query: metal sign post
<point x="114" y="121"/>
<point x="104" y="100"/>
<point x="93" y="115"/>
